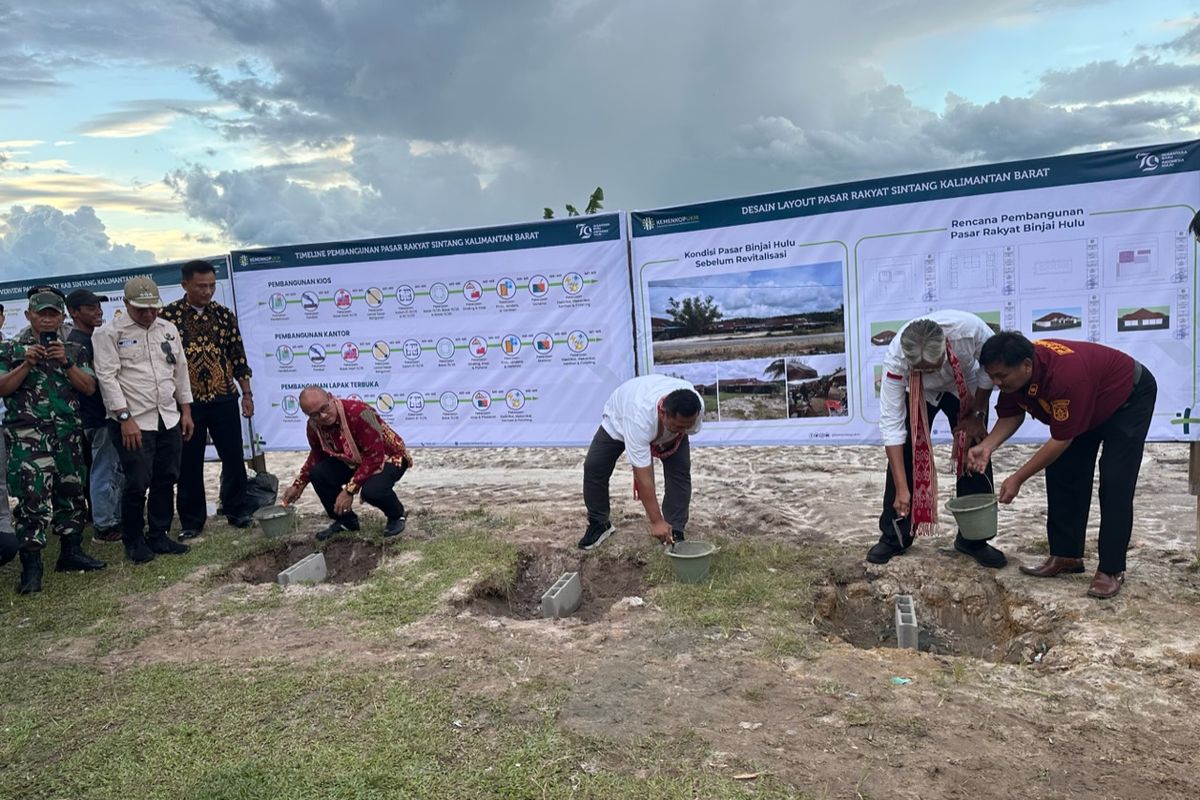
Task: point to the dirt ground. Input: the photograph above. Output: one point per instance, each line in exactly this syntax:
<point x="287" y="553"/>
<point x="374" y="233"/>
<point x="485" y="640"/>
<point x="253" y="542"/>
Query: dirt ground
<point x="1026" y="687"/>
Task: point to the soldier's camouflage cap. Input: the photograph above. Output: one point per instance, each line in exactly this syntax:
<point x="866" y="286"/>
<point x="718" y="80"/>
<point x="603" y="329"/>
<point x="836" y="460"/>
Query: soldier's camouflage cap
<point x="44" y="300"/>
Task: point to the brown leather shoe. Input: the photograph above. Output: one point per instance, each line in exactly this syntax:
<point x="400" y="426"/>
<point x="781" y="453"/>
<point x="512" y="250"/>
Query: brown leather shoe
<point x="1105" y="585"/>
<point x="1054" y="565"/>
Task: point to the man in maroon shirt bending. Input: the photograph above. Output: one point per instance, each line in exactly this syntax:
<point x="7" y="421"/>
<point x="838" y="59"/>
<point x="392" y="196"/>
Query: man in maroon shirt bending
<point x="1088" y="394"/>
<point x="352" y="451"/>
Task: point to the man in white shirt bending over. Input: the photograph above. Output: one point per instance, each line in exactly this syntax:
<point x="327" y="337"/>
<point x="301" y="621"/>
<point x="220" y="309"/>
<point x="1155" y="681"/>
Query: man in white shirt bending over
<point x="646" y="418"/>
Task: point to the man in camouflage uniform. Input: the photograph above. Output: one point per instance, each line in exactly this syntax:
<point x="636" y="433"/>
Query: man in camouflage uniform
<point x="8" y="541"/>
<point x="39" y="376"/>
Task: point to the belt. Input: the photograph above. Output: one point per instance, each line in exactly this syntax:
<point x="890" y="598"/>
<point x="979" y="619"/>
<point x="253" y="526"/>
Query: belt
<point x="1137" y="378"/>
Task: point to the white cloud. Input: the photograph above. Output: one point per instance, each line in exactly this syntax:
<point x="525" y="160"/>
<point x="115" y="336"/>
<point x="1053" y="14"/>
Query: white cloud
<point x="43" y="241"/>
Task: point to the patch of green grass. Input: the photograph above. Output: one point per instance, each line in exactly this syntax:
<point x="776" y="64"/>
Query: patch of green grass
<point x="280" y="732"/>
<point x="249" y="603"/>
<point x="75" y="604"/>
<point x="752" y="585"/>
<point x="465" y="545"/>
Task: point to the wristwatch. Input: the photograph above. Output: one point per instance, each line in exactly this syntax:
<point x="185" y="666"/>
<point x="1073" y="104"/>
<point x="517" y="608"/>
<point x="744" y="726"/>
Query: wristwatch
<point x="124" y="415"/>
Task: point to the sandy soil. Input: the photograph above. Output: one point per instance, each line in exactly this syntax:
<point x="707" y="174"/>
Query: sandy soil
<point x="1063" y="696"/>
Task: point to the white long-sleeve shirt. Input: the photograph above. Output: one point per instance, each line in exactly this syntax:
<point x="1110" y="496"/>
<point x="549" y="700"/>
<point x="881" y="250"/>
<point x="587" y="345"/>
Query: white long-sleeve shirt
<point x="965" y="333"/>
<point x="135" y="373"/>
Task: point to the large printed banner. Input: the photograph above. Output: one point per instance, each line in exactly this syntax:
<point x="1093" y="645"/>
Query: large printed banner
<point x="780" y="307"/>
<point x="112" y="285"/>
<point x="510" y="335"/>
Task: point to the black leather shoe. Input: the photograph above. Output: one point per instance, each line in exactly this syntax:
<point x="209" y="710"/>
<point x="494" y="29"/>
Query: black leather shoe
<point x="395" y="527"/>
<point x="334" y="528"/>
<point x="189" y="533"/>
<point x="136" y="549"/>
<point x="241" y="522"/>
<point x="884" y="551"/>
<point x="981" y="551"/>
<point x="164" y="545"/>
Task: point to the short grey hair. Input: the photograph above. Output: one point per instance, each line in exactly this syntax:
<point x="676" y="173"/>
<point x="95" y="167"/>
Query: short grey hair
<point x="923" y="342"/>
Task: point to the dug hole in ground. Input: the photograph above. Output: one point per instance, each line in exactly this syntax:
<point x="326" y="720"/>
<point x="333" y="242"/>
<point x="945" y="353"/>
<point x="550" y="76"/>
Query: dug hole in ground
<point x="782" y="668"/>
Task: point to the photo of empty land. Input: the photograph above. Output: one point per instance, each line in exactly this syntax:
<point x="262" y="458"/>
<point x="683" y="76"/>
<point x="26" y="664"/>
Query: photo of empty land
<point x="729" y="316"/>
<point x="766" y="388"/>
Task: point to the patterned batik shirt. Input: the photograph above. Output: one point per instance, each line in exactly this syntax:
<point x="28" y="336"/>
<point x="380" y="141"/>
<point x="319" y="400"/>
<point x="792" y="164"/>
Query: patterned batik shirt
<point x="216" y="356"/>
<point x="377" y="443"/>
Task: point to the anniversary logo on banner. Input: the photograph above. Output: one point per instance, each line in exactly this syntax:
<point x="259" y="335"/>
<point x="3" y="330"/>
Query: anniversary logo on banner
<point x="779" y="308"/>
<point x="509" y="335"/>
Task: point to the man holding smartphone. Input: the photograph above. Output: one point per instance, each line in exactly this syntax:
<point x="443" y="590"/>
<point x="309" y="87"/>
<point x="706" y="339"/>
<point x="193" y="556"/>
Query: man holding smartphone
<point x="41" y="377"/>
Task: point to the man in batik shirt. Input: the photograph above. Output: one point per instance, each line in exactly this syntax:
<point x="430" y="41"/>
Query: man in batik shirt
<point x="352" y="453"/>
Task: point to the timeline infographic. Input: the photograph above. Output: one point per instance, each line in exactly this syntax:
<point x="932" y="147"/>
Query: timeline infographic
<point x="496" y="336"/>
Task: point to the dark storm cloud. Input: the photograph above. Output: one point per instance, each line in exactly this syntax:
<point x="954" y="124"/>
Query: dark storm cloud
<point x="1102" y="81"/>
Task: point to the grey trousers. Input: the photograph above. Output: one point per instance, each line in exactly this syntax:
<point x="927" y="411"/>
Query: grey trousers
<point x="598" y="467"/>
<point x="5" y="511"/>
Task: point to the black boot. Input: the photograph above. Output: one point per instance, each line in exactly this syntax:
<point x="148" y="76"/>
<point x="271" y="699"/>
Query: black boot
<point x="71" y="557"/>
<point x="136" y="549"/>
<point x="31" y="572"/>
<point x="162" y="544"/>
<point x="891" y="543"/>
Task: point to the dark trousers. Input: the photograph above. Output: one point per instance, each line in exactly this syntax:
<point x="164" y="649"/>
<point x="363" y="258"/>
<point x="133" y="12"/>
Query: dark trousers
<point x="329" y="475"/>
<point x="220" y="419"/>
<point x="8" y="547"/>
<point x="598" y="467"/>
<point x="1069" y="480"/>
<point x="154" y="467"/>
<point x="969" y="483"/>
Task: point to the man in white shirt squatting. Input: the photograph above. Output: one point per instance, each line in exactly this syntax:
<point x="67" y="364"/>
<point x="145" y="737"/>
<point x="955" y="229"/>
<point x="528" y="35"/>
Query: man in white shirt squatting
<point x="931" y="365"/>
<point x="646" y="418"/>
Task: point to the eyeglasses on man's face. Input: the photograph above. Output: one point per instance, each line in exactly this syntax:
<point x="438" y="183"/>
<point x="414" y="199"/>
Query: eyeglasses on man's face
<point x="320" y="410"/>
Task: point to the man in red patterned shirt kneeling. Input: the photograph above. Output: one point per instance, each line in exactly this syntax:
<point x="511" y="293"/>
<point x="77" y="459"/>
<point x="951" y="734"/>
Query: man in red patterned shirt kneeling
<point x="352" y="452"/>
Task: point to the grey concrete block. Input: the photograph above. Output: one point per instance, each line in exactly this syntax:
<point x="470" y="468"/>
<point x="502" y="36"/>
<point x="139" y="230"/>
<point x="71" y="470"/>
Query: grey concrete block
<point x="561" y="599"/>
<point x="906" y="622"/>
<point x="310" y="569"/>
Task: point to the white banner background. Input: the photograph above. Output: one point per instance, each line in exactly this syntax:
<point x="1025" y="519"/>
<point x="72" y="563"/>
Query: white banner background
<point x="499" y="336"/>
<point x="1114" y="264"/>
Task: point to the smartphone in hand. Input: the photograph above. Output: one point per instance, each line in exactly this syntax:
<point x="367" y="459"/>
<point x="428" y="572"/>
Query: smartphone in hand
<point x="48" y="338"/>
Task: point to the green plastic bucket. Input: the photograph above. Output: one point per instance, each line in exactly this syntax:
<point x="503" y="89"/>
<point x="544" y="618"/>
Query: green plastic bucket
<point x="276" y="520"/>
<point x="691" y="561"/>
<point x="975" y="515"/>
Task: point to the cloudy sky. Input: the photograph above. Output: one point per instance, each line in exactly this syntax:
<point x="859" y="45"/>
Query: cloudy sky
<point x="136" y="132"/>
<point x="757" y="293"/>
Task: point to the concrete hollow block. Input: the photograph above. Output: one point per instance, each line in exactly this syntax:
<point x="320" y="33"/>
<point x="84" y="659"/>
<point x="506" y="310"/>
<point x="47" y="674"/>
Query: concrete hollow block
<point x="561" y="599"/>
<point x="310" y="569"/>
<point x="906" y="622"/>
